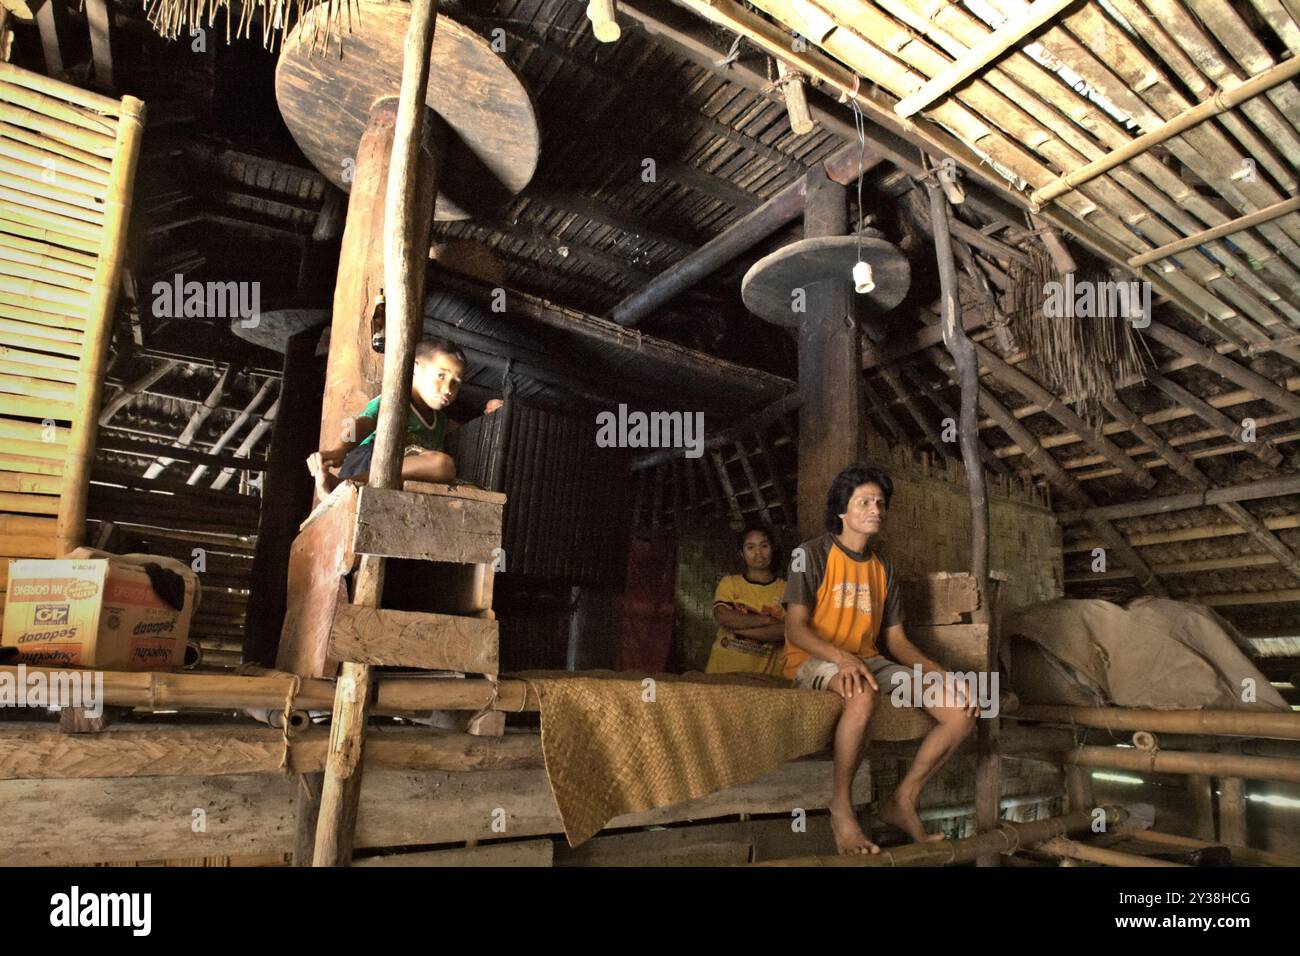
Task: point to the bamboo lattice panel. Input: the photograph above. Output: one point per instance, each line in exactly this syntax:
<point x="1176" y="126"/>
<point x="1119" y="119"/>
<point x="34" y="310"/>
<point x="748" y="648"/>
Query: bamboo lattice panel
<point x="58" y="145"/>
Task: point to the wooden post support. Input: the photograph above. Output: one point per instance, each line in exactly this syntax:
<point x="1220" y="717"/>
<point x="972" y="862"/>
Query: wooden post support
<point x="1198" y="787"/>
<point x="988" y="762"/>
<point x="830" y="364"/>
<point x="419" y="139"/>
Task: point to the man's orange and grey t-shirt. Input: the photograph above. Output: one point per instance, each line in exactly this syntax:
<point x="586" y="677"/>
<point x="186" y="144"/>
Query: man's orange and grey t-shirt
<point x="852" y="597"/>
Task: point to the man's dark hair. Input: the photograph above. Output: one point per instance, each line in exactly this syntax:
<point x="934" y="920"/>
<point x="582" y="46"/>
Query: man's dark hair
<point x="841" y="490"/>
<point x="750" y="529"/>
<point x="428" y="348"/>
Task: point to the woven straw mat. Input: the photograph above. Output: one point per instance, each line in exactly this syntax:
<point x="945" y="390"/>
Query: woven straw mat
<point x="609" y="751"/>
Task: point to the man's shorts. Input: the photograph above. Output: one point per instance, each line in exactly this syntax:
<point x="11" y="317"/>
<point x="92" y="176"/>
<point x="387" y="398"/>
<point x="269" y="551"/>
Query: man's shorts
<point x="358" y="459"/>
<point x="815" y="674"/>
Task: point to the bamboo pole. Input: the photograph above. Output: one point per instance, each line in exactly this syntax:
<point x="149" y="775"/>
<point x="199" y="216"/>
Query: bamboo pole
<point x="88" y="99"/>
<point x="233" y="430"/>
<point x="70" y="134"/>
<point x="128" y="392"/>
<point x="1284" y="596"/>
<point x="1248" y="491"/>
<point x="94" y="350"/>
<point x="1241" y="853"/>
<point x="1198" y="533"/>
<point x="199" y="416"/>
<point x="974" y="60"/>
<point x="796" y="99"/>
<point x="1184" y="762"/>
<point x="604" y="22"/>
<point x="1220" y="102"/>
<point x="1240" y="224"/>
<point x="260" y="689"/>
<point x="64" y="165"/>
<point x="1231" y="723"/>
<point x="406" y="232"/>
<point x="1073" y="850"/>
<point x="1202" y="355"/>
<point x="1007" y="838"/>
<point x="45" y="145"/>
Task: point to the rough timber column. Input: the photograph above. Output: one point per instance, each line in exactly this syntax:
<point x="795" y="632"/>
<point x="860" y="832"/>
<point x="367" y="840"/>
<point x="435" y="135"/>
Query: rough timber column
<point x="830" y="364"/>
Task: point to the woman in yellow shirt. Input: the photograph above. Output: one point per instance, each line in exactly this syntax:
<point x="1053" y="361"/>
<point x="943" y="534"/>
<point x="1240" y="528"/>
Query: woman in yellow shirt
<point x="750" y="616"/>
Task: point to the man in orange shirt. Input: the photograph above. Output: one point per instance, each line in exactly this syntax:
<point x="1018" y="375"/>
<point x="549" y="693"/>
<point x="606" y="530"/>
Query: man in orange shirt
<point x="844" y="633"/>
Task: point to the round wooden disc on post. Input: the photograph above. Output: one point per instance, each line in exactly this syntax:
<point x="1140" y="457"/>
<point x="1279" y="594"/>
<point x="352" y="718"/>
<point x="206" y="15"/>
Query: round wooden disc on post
<point x="326" y="102"/>
<point x="770" y="287"/>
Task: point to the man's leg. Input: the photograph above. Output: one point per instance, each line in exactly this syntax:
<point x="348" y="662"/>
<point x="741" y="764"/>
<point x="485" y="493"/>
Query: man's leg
<point x="429" y="466"/>
<point x="850" y="732"/>
<point x="899" y="809"/>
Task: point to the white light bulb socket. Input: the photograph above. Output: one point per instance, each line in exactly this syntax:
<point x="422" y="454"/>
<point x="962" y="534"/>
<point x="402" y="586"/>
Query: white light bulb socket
<point x="862" y="280"/>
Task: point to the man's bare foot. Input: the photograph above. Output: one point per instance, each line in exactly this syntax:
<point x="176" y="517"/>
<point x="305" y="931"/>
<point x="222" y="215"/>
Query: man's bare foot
<point x="898" y="813"/>
<point x="849" y="837"/>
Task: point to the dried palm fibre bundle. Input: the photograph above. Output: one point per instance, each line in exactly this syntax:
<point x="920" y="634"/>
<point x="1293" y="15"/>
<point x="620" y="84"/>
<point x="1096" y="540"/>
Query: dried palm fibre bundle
<point x="1080" y="358"/>
<point x="174" y="19"/>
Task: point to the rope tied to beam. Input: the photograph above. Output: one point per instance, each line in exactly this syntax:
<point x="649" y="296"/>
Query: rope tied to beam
<point x="295" y="685"/>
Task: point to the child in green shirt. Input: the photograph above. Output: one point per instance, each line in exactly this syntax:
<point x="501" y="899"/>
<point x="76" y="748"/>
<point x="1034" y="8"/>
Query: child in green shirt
<point x="439" y="367"/>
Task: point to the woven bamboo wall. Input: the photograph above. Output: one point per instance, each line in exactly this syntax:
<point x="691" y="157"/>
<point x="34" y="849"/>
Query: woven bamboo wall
<point x="929" y="526"/>
<point x="59" y="146"/>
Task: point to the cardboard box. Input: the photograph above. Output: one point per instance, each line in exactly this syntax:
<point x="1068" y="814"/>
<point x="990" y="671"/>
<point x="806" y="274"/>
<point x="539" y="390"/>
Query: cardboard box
<point x="100" y="612"/>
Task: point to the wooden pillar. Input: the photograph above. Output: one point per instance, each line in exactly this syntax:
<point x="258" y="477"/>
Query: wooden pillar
<point x="419" y="143"/>
<point x="1198" y="786"/>
<point x="1232" y="805"/>
<point x="288" y="488"/>
<point x="830" y="364"/>
<point x="354" y="370"/>
<point x="988" y="762"/>
<point x="1232" y="811"/>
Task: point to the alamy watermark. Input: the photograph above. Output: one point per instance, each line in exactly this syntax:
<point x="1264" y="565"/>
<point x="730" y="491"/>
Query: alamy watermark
<point x="208" y="300"/>
<point x="49" y="688"/>
<point x="626" y="429"/>
<point x="1098" y="300"/>
<point x="924" y="688"/>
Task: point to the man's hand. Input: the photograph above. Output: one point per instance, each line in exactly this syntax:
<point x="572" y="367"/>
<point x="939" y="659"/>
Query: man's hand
<point x="492" y="406"/>
<point x="853" y="678"/>
<point x="318" y="461"/>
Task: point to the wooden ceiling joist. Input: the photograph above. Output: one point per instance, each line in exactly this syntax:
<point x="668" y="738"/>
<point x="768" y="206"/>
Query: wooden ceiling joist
<point x="1260" y="448"/>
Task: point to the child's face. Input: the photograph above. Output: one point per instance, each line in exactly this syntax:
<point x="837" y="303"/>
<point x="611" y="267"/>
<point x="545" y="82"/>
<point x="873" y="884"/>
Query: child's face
<point x="437" y="380"/>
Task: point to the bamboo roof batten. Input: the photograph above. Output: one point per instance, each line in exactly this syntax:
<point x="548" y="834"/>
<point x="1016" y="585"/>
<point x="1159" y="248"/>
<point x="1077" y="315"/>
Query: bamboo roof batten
<point x="1220" y="102"/>
<point x="1030" y="110"/>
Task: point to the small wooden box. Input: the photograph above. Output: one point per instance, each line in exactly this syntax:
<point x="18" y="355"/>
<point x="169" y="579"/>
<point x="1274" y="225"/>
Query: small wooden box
<point x="456" y="530"/>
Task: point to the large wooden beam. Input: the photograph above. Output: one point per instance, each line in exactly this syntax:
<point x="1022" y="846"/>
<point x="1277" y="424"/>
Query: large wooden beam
<point x="782" y="209"/>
